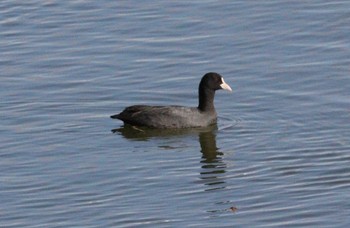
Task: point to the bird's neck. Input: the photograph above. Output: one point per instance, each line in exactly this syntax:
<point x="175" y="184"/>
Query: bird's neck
<point x="206" y="100"/>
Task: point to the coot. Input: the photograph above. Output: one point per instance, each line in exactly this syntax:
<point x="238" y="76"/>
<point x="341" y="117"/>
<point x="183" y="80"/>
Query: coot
<point x="179" y="116"/>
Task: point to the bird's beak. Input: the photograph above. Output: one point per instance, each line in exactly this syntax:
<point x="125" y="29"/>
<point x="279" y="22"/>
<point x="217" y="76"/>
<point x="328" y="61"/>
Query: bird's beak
<point x="225" y="86"/>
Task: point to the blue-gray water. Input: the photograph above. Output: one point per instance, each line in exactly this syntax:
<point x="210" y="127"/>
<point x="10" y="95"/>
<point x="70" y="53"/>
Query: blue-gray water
<point x="279" y="158"/>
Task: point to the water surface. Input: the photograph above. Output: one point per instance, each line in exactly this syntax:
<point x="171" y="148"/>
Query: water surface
<point x="278" y="157"/>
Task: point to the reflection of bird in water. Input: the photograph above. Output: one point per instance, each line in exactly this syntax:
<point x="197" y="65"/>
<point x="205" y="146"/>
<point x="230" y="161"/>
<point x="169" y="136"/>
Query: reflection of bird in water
<point x="212" y="162"/>
<point x="144" y="133"/>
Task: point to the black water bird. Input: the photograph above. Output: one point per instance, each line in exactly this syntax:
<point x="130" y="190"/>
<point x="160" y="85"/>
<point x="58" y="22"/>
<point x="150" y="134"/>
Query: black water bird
<point x="167" y="117"/>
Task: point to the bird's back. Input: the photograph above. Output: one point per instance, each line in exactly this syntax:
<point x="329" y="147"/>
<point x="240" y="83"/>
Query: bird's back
<point x="166" y="116"/>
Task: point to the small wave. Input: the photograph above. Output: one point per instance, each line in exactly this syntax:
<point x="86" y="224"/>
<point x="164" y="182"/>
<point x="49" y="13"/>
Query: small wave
<point x="226" y="122"/>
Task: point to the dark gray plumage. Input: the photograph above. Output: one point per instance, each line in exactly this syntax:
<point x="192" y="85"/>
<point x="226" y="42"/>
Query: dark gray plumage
<point x="179" y="116"/>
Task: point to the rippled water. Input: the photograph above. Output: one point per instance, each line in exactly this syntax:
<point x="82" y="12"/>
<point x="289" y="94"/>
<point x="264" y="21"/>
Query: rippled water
<point x="279" y="156"/>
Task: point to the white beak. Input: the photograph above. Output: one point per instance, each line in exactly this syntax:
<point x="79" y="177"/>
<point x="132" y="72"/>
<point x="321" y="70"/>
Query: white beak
<point x="225" y="86"/>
